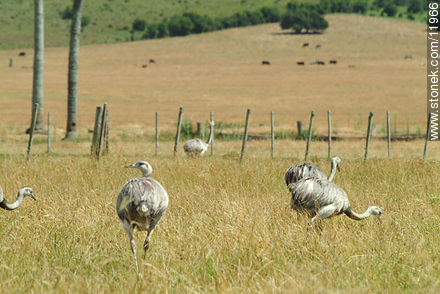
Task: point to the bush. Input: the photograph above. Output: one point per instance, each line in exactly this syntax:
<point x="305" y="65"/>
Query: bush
<point x="360" y="6"/>
<point x="67" y="13"/>
<point x="151" y="31"/>
<point x="270" y="14"/>
<point x="180" y="26"/>
<point x="85" y="20"/>
<point x="162" y="30"/>
<point x="415" y="6"/>
<point x="390" y="9"/>
<point x="201" y="23"/>
<point x="139" y="25"/>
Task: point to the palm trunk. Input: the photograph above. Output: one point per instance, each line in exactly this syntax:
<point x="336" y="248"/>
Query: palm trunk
<point x="37" y="88"/>
<point x="72" y="99"/>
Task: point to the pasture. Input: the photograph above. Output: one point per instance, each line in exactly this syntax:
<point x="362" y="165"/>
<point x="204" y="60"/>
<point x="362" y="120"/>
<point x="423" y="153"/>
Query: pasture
<point x="229" y="227"/>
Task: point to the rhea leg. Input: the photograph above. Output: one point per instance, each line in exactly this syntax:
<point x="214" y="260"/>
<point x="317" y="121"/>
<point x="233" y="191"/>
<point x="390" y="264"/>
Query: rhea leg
<point x="150" y="229"/>
<point x="129" y="230"/>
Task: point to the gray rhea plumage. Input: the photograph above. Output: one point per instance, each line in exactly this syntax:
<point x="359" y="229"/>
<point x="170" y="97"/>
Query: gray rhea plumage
<point x="197" y="146"/>
<point x="141" y="204"/>
<point x="304" y="170"/>
<point x="22" y="193"/>
<point x="321" y="199"/>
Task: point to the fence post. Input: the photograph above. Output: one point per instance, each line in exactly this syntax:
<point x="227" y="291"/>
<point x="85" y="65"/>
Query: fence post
<point x="329" y="116"/>
<point x="425" y="150"/>
<point x="106" y="133"/>
<point x="370" y="120"/>
<point x="157" y="133"/>
<point x="309" y="135"/>
<point x="272" y="134"/>
<point x="31" y="131"/>
<point x="299" y="128"/>
<point x="48" y="132"/>
<point x="245" y="135"/>
<point x="213" y="133"/>
<point x="179" y="125"/>
<point x="96" y="131"/>
<point x="102" y="131"/>
<point x="389" y="133"/>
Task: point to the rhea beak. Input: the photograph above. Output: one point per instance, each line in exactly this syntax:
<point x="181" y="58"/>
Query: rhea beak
<point x="33" y="197"/>
<point x="128" y="166"/>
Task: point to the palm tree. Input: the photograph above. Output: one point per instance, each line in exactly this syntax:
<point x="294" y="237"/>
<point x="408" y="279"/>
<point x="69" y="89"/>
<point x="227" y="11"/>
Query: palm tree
<point x="72" y="105"/>
<point x="37" y="88"/>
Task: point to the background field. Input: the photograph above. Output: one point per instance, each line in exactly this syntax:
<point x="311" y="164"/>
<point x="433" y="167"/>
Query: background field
<point x="222" y="72"/>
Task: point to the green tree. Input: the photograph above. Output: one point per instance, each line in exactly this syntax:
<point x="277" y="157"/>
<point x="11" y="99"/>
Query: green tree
<point x="139" y="25"/>
<point x="415" y="6"/>
<point x="180" y="26"/>
<point x="72" y="87"/>
<point x="37" y="86"/>
<point x="270" y="14"/>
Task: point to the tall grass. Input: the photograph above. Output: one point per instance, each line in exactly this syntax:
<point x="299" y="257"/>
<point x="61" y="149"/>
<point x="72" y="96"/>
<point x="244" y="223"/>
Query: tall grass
<point x="228" y="228"/>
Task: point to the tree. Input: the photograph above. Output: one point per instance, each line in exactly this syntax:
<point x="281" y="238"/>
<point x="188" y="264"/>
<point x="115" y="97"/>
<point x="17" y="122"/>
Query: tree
<point x="270" y="14"/>
<point x="72" y="98"/>
<point x="139" y="25"/>
<point x="180" y="26"/>
<point x="37" y="87"/>
<point x="303" y="17"/>
<point x="414" y="6"/>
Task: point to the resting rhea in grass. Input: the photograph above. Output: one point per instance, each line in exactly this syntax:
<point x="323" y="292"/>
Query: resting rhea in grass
<point x="197" y="146"/>
<point x="321" y="199"/>
<point x="141" y="204"/>
<point x="22" y="193"/>
<point x="304" y="170"/>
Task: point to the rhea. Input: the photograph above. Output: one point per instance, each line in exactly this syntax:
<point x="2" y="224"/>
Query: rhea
<point x="140" y="205"/>
<point x="321" y="199"/>
<point x="197" y="146"/>
<point x="22" y="193"/>
<point x="302" y="170"/>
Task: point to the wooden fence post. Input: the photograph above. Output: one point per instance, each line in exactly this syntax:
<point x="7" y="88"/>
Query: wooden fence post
<point x="157" y="133"/>
<point x="389" y="133"/>
<point x="309" y="135"/>
<point x="102" y="131"/>
<point x="98" y="115"/>
<point x="425" y="150"/>
<point x="213" y="133"/>
<point x="48" y="131"/>
<point x="106" y="133"/>
<point x="370" y="120"/>
<point x="299" y="124"/>
<point x="272" y="134"/>
<point x="329" y="117"/>
<point x="245" y="135"/>
<point x="179" y="125"/>
<point x="31" y="131"/>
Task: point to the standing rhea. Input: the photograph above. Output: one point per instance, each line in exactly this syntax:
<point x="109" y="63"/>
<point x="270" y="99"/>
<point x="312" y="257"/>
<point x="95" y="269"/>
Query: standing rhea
<point x="321" y="199"/>
<point x="23" y="192"/>
<point x="197" y="146"/>
<point x="304" y="170"/>
<point x="141" y="204"/>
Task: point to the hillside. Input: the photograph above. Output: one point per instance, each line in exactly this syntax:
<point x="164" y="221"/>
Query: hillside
<point x="222" y="72"/>
<point x="110" y="20"/>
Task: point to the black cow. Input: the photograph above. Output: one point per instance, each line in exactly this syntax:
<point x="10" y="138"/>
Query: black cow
<point x="22" y="54"/>
<point x="265" y="62"/>
<point x="333" y="61"/>
<point x="300" y="63"/>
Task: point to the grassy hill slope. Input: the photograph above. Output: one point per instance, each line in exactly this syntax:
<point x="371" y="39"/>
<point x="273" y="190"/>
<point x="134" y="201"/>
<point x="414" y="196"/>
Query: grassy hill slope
<point x="222" y="72"/>
<point x="110" y="20"/>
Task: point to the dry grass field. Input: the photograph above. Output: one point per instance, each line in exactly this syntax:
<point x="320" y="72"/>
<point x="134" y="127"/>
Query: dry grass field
<point x="222" y="72"/>
<point x="229" y="227"/>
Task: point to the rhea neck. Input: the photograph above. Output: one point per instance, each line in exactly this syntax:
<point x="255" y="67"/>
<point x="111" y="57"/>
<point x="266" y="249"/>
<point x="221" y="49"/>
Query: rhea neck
<point x="11" y="206"/>
<point x="211" y="134"/>
<point x="146" y="171"/>
<point x="334" y="165"/>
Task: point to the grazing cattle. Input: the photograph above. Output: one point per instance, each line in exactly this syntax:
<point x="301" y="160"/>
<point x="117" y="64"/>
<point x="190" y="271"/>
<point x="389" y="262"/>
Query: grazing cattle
<point x="319" y="62"/>
<point x="408" y="56"/>
<point x="265" y="62"/>
<point x="144" y="65"/>
<point x="300" y="63"/>
<point x="318" y="46"/>
<point x="22" y="54"/>
<point x="333" y="61"/>
<point x="152" y="61"/>
<point x="305" y="45"/>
